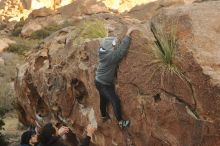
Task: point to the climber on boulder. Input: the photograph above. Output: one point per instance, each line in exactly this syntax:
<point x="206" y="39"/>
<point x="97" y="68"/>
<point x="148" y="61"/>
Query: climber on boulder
<point x="110" y="53"/>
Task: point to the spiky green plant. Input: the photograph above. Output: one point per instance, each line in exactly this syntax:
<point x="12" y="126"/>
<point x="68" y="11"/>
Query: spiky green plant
<point x="165" y="49"/>
<point x="166" y="43"/>
<point x="94" y="28"/>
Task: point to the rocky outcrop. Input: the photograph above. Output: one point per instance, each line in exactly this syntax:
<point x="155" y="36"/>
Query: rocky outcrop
<point x="167" y="106"/>
<point x="43" y="17"/>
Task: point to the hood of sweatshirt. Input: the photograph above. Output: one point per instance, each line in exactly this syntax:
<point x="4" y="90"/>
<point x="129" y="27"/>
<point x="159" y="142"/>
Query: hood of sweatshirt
<point x="106" y="48"/>
<point x="108" y="42"/>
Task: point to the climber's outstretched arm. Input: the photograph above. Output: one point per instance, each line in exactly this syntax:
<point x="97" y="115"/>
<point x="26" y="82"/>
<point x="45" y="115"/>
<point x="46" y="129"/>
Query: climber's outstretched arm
<point x="119" y="53"/>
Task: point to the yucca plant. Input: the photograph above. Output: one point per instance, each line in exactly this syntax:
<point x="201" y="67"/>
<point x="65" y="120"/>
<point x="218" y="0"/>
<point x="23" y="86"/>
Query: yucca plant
<point x="165" y="43"/>
<point x="165" y="48"/>
<point x="94" y="28"/>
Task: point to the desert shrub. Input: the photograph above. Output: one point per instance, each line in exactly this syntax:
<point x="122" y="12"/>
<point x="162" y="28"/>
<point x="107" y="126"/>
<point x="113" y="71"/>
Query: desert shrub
<point x="94" y="28"/>
<point x="22" y="45"/>
<point x="40" y="34"/>
<point x="7" y="95"/>
<point x="46" y="31"/>
<point x="3" y="140"/>
<point x="7" y="76"/>
<point x="17" y="28"/>
<point x="16" y="31"/>
<point x="17" y="48"/>
<point x="2" y="26"/>
<point x="8" y="70"/>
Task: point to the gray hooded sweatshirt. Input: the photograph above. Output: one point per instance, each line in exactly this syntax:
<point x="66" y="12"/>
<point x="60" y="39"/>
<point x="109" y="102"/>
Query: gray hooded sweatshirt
<point x="109" y="59"/>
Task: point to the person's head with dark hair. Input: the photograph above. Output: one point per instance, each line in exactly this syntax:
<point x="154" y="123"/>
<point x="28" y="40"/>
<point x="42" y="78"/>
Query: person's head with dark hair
<point x="46" y="133"/>
<point x="28" y="138"/>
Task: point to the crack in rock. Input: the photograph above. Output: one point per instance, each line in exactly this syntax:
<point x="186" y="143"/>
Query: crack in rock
<point x="190" y="110"/>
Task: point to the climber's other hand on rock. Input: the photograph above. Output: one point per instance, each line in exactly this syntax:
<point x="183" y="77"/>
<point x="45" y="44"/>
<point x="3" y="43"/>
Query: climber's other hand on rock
<point x="62" y="130"/>
<point x="130" y="30"/>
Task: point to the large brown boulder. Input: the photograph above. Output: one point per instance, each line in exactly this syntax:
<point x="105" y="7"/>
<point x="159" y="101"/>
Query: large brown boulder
<point x="166" y="106"/>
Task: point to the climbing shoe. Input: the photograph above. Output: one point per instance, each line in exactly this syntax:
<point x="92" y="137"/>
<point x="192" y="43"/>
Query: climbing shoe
<point x="124" y="123"/>
<point x="105" y="118"/>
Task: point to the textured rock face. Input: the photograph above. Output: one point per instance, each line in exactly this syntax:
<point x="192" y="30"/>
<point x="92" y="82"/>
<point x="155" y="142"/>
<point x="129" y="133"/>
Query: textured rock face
<point x="57" y="82"/>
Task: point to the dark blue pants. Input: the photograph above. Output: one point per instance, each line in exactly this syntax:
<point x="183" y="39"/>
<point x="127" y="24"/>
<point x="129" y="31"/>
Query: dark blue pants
<point x="107" y="93"/>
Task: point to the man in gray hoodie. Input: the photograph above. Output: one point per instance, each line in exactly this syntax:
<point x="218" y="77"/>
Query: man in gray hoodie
<point x="110" y="53"/>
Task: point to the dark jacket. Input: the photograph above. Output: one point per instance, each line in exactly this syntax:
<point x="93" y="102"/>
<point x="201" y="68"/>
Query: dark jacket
<point x="56" y="141"/>
<point x="86" y="141"/>
<point x="29" y="145"/>
<point x="108" y="61"/>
